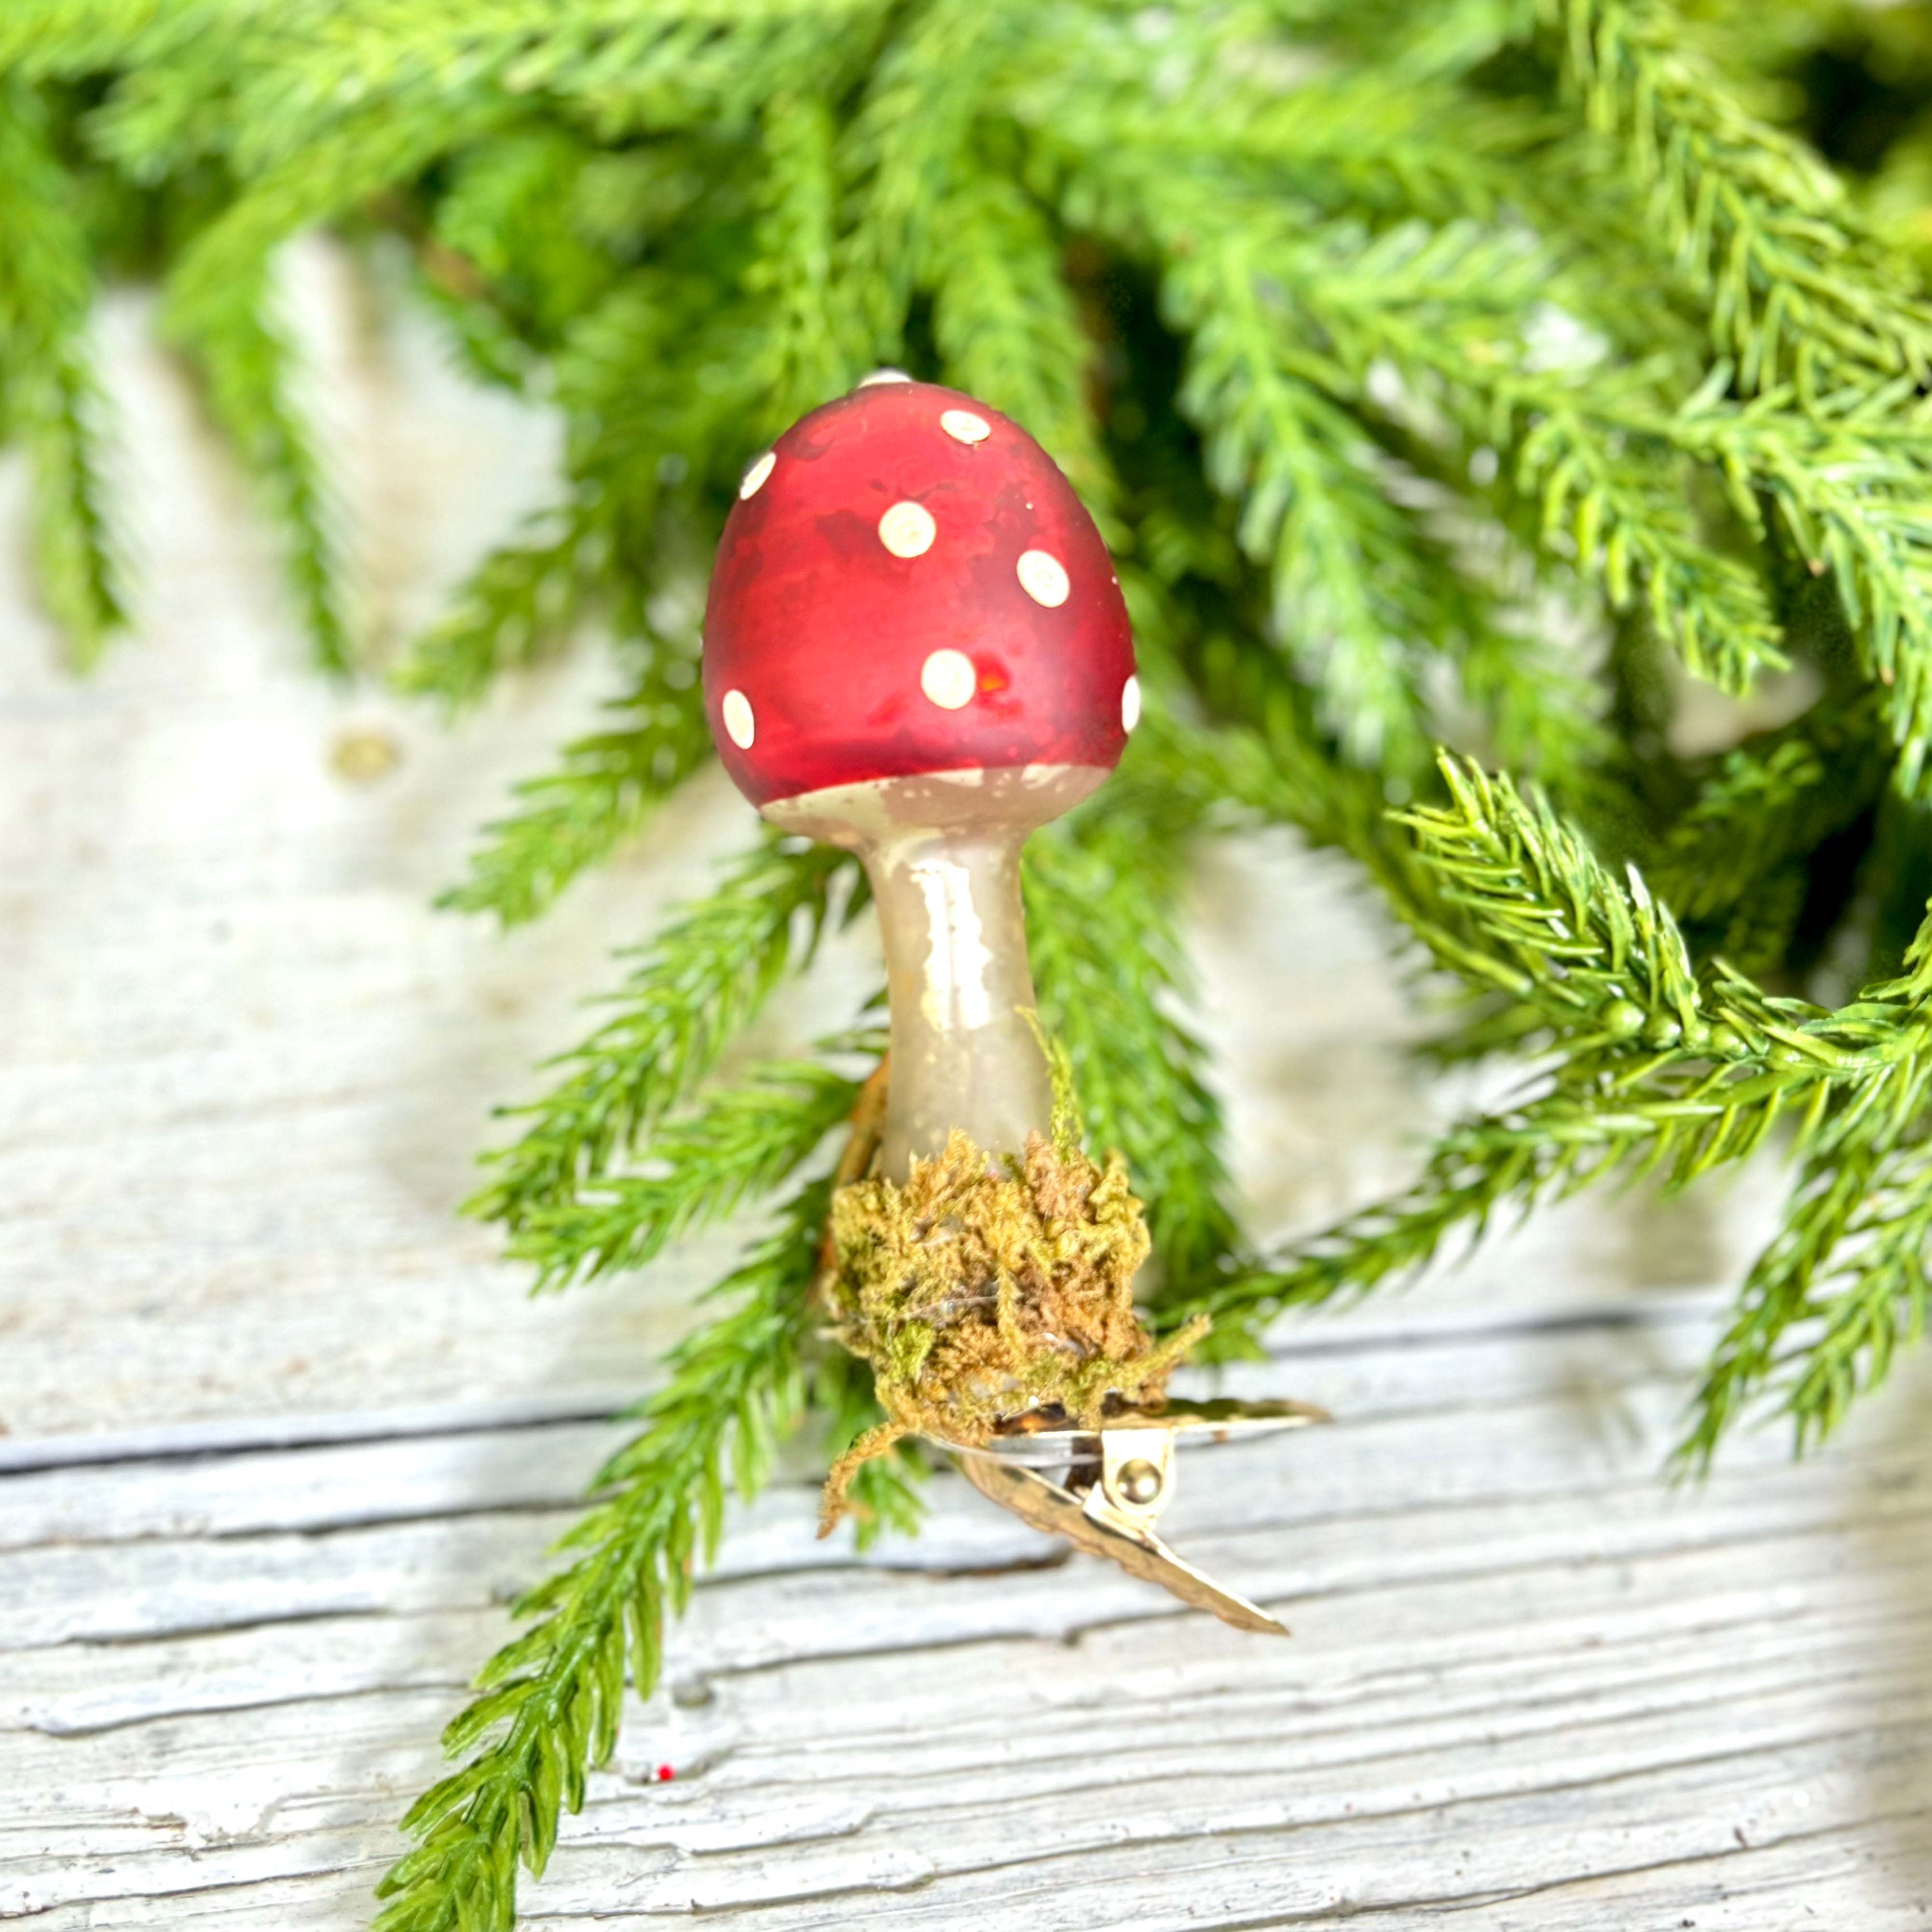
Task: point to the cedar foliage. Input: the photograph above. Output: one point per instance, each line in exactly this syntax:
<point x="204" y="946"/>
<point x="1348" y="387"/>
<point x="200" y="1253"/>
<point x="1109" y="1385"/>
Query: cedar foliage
<point x="1484" y="372"/>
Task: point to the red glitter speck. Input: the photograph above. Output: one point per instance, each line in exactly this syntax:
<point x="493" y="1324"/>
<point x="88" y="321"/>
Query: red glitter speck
<point x="663" y="1774"/>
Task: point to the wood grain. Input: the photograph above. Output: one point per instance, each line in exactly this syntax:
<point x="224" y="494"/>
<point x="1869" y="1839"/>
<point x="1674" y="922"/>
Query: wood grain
<point x="1535" y="1684"/>
<point x="285" y="1436"/>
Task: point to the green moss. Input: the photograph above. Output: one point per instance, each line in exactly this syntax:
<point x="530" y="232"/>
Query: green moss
<point x="979" y="1291"/>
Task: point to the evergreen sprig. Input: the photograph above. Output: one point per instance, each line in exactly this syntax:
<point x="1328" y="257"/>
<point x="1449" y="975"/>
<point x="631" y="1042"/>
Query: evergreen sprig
<point x="606" y="786"/>
<point x="551" y="1700"/>
<point x="1795" y="287"/>
<point x="1112" y="983"/>
<point x="1651" y="1065"/>
<point x="515" y="606"/>
<point x="698" y="1168"/>
<point x="48" y="398"/>
<point x="1475" y="372"/>
<point x="699" y="982"/>
<point x="1734" y="865"/>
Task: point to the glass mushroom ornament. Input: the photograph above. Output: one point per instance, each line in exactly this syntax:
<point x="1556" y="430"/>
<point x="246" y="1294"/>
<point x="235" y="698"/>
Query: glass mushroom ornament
<point x="915" y="648"/>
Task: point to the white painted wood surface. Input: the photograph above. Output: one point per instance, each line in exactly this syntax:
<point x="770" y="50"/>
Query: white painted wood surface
<point x="284" y="1435"/>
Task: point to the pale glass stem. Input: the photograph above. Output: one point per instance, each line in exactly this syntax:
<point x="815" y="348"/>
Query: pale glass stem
<point x="943" y="853"/>
<point x="964" y="1052"/>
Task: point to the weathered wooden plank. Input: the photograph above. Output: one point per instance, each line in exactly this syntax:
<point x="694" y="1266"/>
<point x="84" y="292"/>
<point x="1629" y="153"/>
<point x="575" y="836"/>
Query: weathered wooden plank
<point x="94" y="1491"/>
<point x="842" y="1734"/>
<point x="246" y="1065"/>
<point x="1244" y="1505"/>
<point x="1172" y="1733"/>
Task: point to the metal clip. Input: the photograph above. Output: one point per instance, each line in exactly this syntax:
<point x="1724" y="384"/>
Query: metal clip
<point x="1115" y="1481"/>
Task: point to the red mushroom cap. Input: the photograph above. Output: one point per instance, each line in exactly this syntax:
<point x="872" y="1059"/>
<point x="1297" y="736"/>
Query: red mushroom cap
<point x="907" y="584"/>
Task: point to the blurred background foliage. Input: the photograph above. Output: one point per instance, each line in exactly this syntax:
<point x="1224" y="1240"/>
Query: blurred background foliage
<point x="1510" y="419"/>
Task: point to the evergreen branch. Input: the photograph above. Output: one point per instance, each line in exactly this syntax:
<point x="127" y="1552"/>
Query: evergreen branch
<point x="1848" y="1260"/>
<point x="608" y="785"/>
<point x="1846" y="480"/>
<point x="1621" y="506"/>
<point x="1522" y="651"/>
<point x="300" y="72"/>
<point x="907" y="143"/>
<point x="696" y="984"/>
<point x="1455" y="38"/>
<point x="1295" y="331"/>
<point x="1374" y="133"/>
<point x="246" y="359"/>
<point x="1258" y="757"/>
<point x="1771" y="802"/>
<point x="55" y="398"/>
<point x="48" y="397"/>
<point x="815" y="347"/>
<point x="1101" y="893"/>
<point x="1795" y="291"/>
<point x="1460" y="1192"/>
<point x="511" y="610"/>
<point x="551" y="1700"/>
<point x="1543" y="920"/>
<point x="518" y="224"/>
<point x="1877" y="1304"/>
<point x="1597" y="465"/>
<point x="1819" y="1219"/>
<point x="1311" y="512"/>
<point x="221" y="308"/>
<point x="1656" y="1069"/>
<point x="661" y="384"/>
<point x="64" y="40"/>
<point x="1541" y="712"/>
<point x="701" y="1168"/>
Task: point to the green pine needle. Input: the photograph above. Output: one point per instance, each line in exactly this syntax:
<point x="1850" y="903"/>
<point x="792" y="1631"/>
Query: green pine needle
<point x="1101" y="895"/>
<point x="606" y="785"/>
<point x="550" y="1701"/>
<point x="48" y="397"/>
<point x="694" y="1170"/>
<point x="699" y="982"/>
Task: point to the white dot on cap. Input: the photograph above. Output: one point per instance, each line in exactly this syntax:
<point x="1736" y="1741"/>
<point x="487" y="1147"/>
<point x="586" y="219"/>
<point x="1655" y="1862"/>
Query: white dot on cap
<point x="907" y="530"/>
<point x="1043" y="577"/>
<point x="755" y="477"/>
<point x="948" y="678"/>
<point x="740" y="726"/>
<point x="879" y="376"/>
<point x="963" y="426"/>
<point x="1130" y="704"/>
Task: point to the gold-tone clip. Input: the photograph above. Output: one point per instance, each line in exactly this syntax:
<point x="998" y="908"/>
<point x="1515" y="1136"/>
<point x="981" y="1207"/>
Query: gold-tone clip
<point x="1115" y="1481"/>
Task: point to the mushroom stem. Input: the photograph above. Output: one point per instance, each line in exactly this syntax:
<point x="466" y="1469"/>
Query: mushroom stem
<point x="964" y="1054"/>
<point x="943" y="854"/>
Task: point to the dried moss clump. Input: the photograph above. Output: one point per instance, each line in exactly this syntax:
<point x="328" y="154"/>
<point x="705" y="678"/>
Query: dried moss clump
<point x="978" y="1293"/>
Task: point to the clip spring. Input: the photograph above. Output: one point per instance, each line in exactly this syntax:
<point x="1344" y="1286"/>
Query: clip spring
<point x="1114" y="1482"/>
